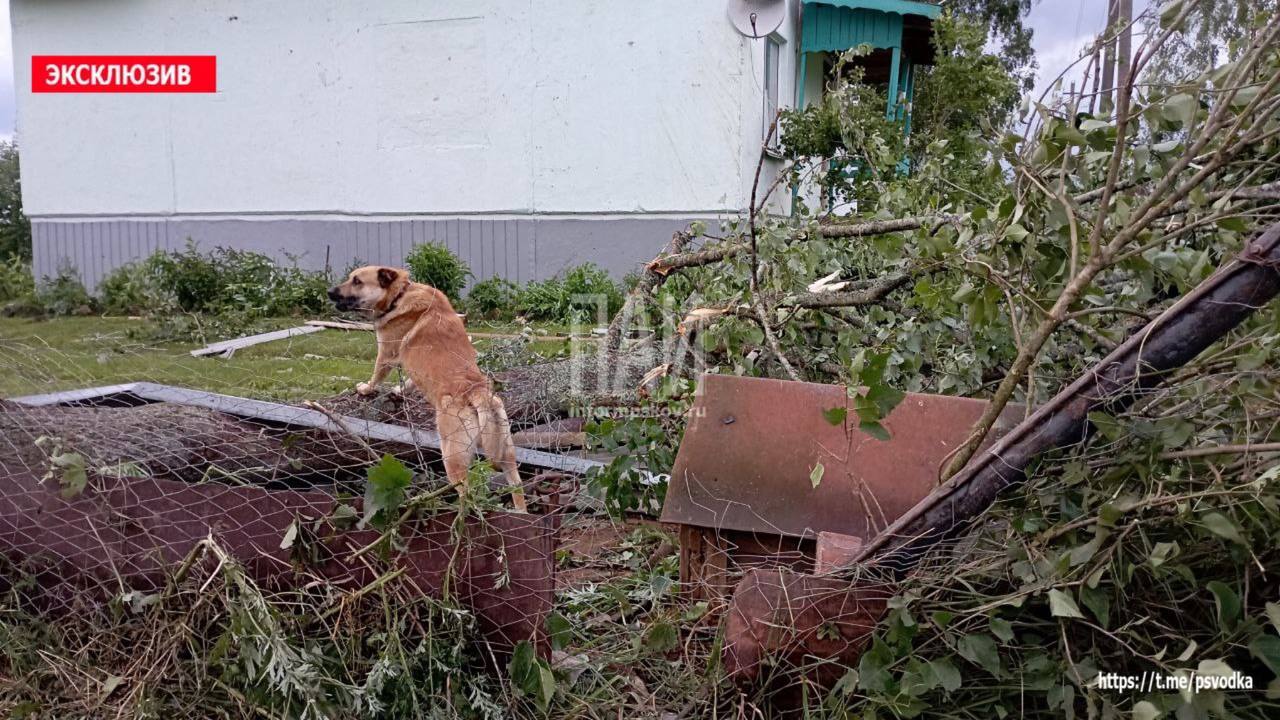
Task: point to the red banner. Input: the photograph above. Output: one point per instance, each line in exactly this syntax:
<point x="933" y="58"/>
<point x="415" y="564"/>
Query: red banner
<point x="124" y="73"/>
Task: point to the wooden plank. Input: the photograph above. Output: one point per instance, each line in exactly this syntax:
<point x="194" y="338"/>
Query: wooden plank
<point x="341" y="324"/>
<point x="229" y="346"/>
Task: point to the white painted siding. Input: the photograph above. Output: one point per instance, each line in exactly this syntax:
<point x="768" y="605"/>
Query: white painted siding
<point x="400" y="107"/>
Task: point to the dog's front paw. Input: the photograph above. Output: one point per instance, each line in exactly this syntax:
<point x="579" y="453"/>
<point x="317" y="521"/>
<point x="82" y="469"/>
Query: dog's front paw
<point x="364" y="389"/>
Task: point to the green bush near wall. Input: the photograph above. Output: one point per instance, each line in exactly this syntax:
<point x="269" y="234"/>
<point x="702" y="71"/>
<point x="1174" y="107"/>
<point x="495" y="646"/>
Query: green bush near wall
<point x="437" y="266"/>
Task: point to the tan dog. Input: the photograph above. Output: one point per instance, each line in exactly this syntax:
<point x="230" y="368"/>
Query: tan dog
<point x="418" y="330"/>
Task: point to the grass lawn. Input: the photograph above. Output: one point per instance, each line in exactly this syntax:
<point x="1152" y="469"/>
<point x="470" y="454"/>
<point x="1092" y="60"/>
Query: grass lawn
<point x="39" y="356"/>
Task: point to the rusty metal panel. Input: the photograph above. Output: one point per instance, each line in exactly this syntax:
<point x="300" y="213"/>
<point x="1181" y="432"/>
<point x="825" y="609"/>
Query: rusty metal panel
<point x="751" y="444"/>
<point x="134" y="532"/>
<point x="778" y="617"/>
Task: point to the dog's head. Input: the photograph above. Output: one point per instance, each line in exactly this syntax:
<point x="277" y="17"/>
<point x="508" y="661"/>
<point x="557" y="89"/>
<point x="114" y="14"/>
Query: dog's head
<point x="370" y="288"/>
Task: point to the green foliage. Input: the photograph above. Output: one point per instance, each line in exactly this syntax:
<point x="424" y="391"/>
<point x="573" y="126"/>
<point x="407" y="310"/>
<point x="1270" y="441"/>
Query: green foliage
<point x="532" y="675"/>
<point x="437" y="266"/>
<point x="132" y="289"/>
<point x="1136" y="565"/>
<point x="643" y="446"/>
<point x="16" y="280"/>
<point x="64" y="294"/>
<point x="492" y="299"/>
<point x="960" y="102"/>
<point x="1001" y="23"/>
<point x="385" y="492"/>
<point x="192" y="295"/>
<point x="15" y="228"/>
<point x="575" y="296"/>
<point x="231" y="281"/>
<point x="848" y="131"/>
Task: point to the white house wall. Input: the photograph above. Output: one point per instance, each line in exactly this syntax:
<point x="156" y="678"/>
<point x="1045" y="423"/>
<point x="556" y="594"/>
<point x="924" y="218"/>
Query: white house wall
<point x="334" y="113"/>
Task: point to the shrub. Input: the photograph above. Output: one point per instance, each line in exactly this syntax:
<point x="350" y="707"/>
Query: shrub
<point x="493" y="299"/>
<point x="573" y="296"/>
<point x="224" y="281"/>
<point x="131" y="289"/>
<point x="436" y="266"/>
<point x="16" y="281"/>
<point x="64" y="294"/>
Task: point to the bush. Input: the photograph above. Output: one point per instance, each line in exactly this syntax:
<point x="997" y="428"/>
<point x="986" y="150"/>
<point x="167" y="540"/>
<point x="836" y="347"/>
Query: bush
<point x="573" y="296"/>
<point x="16" y="281"/>
<point x="64" y="294"/>
<point x="131" y="289"/>
<point x="493" y="299"/>
<point x="15" y="228"/>
<point x="436" y="266"/>
<point x="224" y="281"/>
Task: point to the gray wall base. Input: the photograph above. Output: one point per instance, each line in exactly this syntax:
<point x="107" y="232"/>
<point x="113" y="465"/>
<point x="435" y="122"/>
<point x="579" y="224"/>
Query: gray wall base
<point x="520" y="249"/>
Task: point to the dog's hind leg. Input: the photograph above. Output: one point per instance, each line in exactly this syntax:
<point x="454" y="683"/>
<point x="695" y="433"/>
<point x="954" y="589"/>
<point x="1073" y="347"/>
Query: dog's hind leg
<point x="495" y="440"/>
<point x="459" y="428"/>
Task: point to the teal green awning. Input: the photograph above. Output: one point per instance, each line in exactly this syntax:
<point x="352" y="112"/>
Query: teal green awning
<point x="900" y="7"/>
<point x="837" y="25"/>
<point x="826" y="28"/>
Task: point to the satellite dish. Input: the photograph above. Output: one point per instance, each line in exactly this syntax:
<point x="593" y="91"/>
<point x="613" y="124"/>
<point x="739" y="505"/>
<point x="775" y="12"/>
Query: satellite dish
<point x="757" y="18"/>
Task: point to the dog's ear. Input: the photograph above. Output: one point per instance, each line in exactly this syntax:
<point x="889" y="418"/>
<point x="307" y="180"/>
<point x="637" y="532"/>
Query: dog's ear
<point x="386" y="276"/>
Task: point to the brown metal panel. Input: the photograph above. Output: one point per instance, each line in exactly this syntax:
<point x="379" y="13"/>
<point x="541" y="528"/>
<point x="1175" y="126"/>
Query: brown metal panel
<point x="136" y="531"/>
<point x="751" y="444"/>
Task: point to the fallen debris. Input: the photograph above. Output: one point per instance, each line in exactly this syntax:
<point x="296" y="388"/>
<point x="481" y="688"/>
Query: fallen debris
<point x="300" y="417"/>
<point x="227" y="348"/>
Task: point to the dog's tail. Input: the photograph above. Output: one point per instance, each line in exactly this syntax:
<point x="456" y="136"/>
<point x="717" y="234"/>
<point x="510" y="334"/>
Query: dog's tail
<point x="495" y="441"/>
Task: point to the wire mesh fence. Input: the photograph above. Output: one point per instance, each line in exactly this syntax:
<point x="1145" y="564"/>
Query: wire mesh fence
<point x="235" y="537"/>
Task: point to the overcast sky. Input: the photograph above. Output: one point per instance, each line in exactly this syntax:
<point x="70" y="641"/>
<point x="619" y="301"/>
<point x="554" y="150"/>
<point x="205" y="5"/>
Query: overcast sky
<point x="1062" y="29"/>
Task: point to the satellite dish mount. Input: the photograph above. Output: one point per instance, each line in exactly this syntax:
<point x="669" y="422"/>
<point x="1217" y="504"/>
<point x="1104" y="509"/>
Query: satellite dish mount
<point x="757" y="18"/>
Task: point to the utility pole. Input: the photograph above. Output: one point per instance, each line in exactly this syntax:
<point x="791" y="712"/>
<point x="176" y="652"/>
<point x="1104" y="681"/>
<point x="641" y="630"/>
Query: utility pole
<point x="1117" y="52"/>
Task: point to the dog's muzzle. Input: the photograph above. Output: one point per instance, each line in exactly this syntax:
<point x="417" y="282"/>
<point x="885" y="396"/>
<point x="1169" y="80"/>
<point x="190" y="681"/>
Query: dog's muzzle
<point x="340" y="301"/>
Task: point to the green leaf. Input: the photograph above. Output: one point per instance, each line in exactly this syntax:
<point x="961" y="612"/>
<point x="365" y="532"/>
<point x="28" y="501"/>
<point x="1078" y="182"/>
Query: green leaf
<point x="1273" y="614"/>
<point x="1002" y="629"/>
<point x="1181" y="108"/>
<point x="71" y="473"/>
<point x="1062" y="605"/>
<point x="532" y="676"/>
<point x="384" y="492"/>
<point x="847" y="684"/>
<point x="1228" y="603"/>
<point x="661" y="637"/>
<point x="947" y="674"/>
<point x="835" y="415"/>
<point x="1222" y="526"/>
<point x="1143" y="710"/>
<point x="815" y="475"/>
<point x="1267" y="649"/>
<point x="1169" y="13"/>
<point x="873" y="667"/>
<point x="874" y="429"/>
<point x="559" y="630"/>
<point x="981" y="650"/>
<point x="1162" y="553"/>
<point x="1099" y="603"/>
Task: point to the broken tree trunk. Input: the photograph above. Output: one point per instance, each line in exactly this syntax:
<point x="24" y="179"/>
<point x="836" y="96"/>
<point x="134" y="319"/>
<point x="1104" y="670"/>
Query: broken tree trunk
<point x="1146" y="359"/>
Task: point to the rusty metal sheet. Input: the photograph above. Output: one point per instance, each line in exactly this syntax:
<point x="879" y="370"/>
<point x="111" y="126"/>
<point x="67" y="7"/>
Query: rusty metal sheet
<point x="752" y="443"/>
<point x="134" y="532"/>
<point x="782" y="619"/>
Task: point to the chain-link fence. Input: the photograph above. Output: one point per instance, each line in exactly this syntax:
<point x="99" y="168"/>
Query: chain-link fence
<point x="242" y="532"/>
